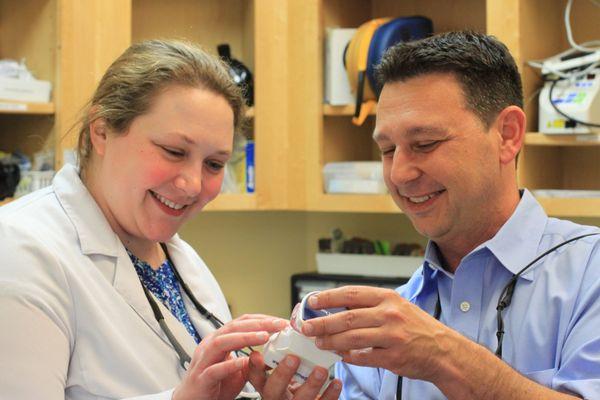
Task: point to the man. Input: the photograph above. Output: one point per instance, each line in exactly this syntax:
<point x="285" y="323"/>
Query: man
<point x="450" y="125"/>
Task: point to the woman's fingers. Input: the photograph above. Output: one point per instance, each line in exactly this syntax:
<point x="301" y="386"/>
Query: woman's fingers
<point x="256" y="373"/>
<point x="219" y="347"/>
<point x="277" y="383"/>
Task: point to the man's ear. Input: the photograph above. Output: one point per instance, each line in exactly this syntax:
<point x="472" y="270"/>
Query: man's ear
<point x="511" y="126"/>
<point x="98" y="135"/>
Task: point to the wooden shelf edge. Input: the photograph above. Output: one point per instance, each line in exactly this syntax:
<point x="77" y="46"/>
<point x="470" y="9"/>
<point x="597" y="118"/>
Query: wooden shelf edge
<point x="19" y="107"/>
<point x="233" y="202"/>
<point x="338" y="111"/>
<point x="571" y="207"/>
<point x="540" y="139"/>
<point x="355" y="203"/>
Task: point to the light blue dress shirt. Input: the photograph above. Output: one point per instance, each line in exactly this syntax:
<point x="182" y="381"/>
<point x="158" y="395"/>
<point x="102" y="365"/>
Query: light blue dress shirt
<point x="552" y="325"/>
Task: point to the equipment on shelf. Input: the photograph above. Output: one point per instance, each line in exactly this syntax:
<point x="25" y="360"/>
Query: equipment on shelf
<point x="240" y="74"/>
<point x="569" y="102"/>
<point x="571" y="105"/>
<point x="366" y="49"/>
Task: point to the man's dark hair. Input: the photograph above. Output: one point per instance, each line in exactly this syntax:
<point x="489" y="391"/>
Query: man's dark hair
<point x="481" y="63"/>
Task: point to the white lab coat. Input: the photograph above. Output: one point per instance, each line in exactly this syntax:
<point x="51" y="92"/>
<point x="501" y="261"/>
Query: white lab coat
<point x="75" y="323"/>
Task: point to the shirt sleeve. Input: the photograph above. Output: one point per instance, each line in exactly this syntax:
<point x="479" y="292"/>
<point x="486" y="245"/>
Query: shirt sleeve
<point x="358" y="382"/>
<point x="579" y="370"/>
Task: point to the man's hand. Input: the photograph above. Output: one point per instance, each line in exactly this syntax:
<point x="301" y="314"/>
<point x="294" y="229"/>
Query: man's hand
<point x="383" y="330"/>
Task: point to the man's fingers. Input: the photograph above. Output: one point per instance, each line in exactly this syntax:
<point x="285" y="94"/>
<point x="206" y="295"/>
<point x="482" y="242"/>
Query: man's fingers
<point x="355" y="339"/>
<point x="349" y="296"/>
<point x="342" y="321"/>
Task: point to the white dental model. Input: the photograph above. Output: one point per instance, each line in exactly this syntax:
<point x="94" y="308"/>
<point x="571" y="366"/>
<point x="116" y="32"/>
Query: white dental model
<point x="291" y="341"/>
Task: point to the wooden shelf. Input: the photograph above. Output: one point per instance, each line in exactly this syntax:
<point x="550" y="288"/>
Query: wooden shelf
<point x="18" y="107"/>
<point x="571" y="207"/>
<point x="339" y="111"/>
<point x="540" y="139"/>
<point x="233" y="202"/>
<point x="363" y="203"/>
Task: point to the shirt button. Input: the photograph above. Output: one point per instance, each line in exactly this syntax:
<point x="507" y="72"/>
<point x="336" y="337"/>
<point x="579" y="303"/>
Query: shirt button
<point x="465" y="306"/>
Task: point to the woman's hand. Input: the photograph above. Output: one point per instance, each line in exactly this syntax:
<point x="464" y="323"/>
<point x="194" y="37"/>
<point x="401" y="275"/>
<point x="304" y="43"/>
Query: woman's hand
<point x="279" y="384"/>
<point x="213" y="372"/>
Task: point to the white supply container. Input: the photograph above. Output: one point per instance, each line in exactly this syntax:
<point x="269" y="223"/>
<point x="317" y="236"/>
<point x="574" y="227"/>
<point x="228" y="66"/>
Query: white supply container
<point x="359" y="177"/>
<point x="337" y="87"/>
<point x="368" y="265"/>
<point x="26" y="90"/>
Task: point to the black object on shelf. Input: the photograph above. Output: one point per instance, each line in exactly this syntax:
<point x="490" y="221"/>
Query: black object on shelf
<point x="10" y="174"/>
<point x="240" y="74"/>
<point x="309" y="281"/>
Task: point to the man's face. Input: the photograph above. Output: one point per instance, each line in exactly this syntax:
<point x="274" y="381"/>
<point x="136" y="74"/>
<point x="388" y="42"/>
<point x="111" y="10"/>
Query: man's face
<point x="440" y="164"/>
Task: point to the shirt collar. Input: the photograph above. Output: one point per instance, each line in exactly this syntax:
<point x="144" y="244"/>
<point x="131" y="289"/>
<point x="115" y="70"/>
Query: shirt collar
<point x="515" y="245"/>
<point x="517" y="242"/>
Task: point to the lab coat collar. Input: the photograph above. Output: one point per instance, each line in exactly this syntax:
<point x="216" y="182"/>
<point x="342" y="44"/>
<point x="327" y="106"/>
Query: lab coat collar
<point x="95" y="234"/>
<point x="97" y="239"/>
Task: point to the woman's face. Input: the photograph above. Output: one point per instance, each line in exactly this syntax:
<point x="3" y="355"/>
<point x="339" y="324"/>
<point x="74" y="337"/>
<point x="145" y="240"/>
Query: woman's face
<point x="167" y="166"/>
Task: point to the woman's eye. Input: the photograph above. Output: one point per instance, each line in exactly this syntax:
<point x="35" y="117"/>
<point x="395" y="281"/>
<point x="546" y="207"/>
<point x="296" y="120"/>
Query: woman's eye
<point x="173" y="152"/>
<point x="215" y="166"/>
<point x="388" y="152"/>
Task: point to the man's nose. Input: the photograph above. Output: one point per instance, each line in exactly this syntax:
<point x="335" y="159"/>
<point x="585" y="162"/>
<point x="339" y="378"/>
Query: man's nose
<point x="404" y="168"/>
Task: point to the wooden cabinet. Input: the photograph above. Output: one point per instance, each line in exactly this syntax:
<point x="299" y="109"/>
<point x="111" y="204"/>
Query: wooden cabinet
<point x="71" y="42"/>
<point x="532" y="29"/>
<point x="67" y="42"/>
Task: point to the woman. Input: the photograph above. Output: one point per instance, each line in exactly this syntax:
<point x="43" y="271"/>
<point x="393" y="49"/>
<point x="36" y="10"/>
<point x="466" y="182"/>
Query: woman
<point x="99" y="297"/>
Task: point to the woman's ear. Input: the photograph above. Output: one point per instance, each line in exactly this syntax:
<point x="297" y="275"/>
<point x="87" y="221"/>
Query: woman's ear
<point x="511" y="126"/>
<point x="98" y="135"/>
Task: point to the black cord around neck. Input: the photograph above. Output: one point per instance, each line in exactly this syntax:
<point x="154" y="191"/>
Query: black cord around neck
<point x="504" y="301"/>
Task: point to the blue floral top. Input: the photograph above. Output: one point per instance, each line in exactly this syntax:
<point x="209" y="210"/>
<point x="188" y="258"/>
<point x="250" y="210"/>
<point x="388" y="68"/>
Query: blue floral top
<point x="164" y="285"/>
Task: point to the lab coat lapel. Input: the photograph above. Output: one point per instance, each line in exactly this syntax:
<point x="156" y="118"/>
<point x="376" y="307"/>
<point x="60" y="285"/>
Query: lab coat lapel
<point x="128" y="284"/>
<point x="192" y="271"/>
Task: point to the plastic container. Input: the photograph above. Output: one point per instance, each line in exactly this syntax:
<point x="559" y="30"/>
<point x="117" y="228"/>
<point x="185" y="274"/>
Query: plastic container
<point x="360" y="177"/>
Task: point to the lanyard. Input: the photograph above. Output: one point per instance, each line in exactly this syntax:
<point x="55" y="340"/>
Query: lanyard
<point x="184" y="357"/>
<point x="504" y="301"/>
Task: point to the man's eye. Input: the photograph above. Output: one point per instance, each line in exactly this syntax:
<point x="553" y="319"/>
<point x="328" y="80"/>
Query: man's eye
<point x="426" y="146"/>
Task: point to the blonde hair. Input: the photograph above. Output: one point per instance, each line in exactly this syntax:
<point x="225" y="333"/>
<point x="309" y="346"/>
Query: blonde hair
<point x="132" y="81"/>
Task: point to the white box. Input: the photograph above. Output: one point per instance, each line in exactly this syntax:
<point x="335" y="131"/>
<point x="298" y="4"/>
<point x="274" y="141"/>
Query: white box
<point x="337" y="88"/>
<point x="29" y="90"/>
<point x="354" y="177"/>
<point x="368" y="265"/>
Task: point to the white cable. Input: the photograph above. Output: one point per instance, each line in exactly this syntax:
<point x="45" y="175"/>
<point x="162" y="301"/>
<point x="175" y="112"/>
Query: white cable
<point x="565" y="75"/>
<point x="570" y="32"/>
